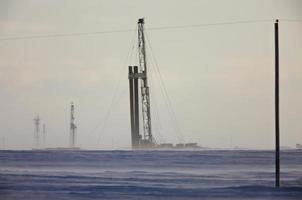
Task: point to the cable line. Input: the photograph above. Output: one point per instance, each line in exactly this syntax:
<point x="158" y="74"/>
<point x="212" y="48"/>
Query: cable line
<point x="66" y="35"/>
<point x="130" y="30"/>
<point x="291" y="20"/>
<point x="210" y="24"/>
<point x="115" y="95"/>
<point x="165" y="95"/>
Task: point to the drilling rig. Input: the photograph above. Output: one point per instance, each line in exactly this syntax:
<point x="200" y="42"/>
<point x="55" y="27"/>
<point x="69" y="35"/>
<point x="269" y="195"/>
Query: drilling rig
<point x="138" y="75"/>
<point x="73" y="127"/>
<point x="37" y="131"/>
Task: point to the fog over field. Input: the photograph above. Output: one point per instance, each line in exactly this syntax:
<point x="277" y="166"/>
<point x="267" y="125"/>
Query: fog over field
<point x="212" y="175"/>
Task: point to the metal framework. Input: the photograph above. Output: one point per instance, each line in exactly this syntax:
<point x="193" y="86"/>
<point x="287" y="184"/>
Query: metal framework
<point x="72" y="126"/>
<point x="44" y="135"/>
<point x="37" y="131"/>
<point x="144" y="83"/>
<point x="140" y="74"/>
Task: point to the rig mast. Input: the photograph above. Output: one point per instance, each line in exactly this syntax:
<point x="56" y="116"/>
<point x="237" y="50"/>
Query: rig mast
<point x="144" y="83"/>
<point x="73" y="127"/>
<point x="37" y="131"/>
<point x="146" y="140"/>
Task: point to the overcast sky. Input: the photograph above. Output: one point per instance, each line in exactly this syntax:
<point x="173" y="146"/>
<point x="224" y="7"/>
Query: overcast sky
<point x="220" y="79"/>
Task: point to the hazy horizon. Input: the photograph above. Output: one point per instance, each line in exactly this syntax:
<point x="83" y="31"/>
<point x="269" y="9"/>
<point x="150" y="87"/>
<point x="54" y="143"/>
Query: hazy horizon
<point x="220" y="79"/>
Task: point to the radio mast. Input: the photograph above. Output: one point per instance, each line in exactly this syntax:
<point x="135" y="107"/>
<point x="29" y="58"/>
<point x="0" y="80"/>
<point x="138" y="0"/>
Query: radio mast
<point x="72" y="127"/>
<point x="44" y="135"/>
<point x="37" y="131"/>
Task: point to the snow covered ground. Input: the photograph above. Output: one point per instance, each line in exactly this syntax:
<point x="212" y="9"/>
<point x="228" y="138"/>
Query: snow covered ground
<point x="211" y="174"/>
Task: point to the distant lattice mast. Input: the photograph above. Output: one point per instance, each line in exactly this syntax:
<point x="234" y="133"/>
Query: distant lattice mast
<point x="37" y="131"/>
<point x="44" y="135"/>
<point x="72" y="127"/>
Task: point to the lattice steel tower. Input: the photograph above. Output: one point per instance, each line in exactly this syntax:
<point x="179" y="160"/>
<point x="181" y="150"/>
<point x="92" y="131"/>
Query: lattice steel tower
<point x="37" y="131"/>
<point x="144" y="83"/>
<point x="73" y="127"/>
<point x="146" y="140"/>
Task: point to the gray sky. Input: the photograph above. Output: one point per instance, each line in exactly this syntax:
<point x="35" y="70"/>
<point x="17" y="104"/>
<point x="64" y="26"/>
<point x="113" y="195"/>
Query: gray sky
<point x="220" y="79"/>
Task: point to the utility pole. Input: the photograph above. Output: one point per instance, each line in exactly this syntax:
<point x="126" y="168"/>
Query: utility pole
<point x="144" y="84"/>
<point x="37" y="131"/>
<point x="277" y="128"/>
<point x="72" y="127"/>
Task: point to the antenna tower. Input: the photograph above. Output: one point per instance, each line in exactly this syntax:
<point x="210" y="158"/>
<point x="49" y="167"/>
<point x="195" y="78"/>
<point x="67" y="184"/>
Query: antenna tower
<point x="44" y="135"/>
<point x="37" y="131"/>
<point x="73" y="127"/>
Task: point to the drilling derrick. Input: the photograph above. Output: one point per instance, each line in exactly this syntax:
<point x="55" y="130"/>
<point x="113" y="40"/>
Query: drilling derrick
<point x="135" y="74"/>
<point x="72" y="127"/>
<point x="144" y="84"/>
<point x="37" y="131"/>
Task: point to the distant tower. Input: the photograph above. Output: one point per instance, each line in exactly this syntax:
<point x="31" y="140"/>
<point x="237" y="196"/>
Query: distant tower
<point x="73" y="127"/>
<point x="37" y="131"/>
<point x="44" y="135"/>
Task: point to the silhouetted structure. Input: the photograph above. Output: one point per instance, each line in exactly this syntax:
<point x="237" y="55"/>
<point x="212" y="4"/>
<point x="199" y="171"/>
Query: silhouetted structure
<point x="44" y="135"/>
<point x="277" y="156"/>
<point x="146" y="139"/>
<point x="37" y="132"/>
<point x="72" y="127"/>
